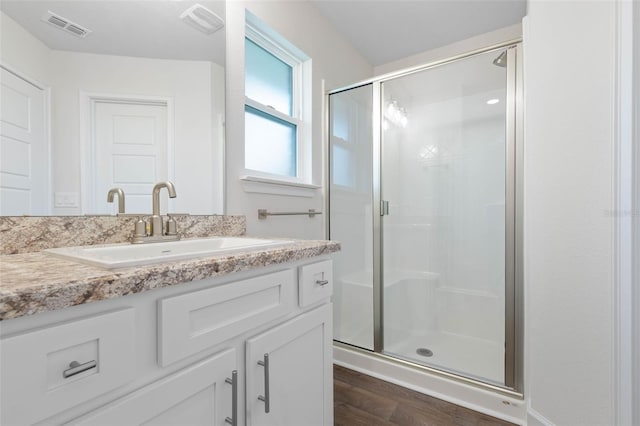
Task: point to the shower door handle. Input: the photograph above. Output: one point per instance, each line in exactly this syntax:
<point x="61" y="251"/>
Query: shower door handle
<point x="384" y="208"/>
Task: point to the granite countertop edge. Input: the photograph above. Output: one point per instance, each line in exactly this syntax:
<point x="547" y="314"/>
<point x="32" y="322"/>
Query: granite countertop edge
<point x="37" y="282"/>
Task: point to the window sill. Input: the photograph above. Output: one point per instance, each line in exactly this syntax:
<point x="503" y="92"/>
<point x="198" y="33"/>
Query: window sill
<point x="262" y="185"/>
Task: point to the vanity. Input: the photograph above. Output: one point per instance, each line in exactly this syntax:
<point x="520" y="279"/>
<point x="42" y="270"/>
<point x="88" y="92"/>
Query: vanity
<point x="243" y="338"/>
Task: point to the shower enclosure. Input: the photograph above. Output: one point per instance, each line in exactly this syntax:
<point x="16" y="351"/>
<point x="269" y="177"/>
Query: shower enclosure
<point x="424" y="175"/>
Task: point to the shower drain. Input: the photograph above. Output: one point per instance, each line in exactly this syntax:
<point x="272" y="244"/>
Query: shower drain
<point x="424" y="352"/>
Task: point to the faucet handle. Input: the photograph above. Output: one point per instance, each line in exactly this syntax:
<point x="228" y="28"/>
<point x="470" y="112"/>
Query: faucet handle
<point x="171" y="226"/>
<point x="140" y="228"/>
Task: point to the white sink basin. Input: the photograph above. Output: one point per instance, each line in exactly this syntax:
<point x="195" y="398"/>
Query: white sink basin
<point x="113" y="256"/>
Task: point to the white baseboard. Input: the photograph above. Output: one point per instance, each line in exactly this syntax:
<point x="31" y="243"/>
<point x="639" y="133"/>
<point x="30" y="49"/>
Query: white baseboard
<point x="536" y="419"/>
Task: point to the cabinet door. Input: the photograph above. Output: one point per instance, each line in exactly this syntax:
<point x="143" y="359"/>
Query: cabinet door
<point x="197" y="395"/>
<point x="289" y="368"/>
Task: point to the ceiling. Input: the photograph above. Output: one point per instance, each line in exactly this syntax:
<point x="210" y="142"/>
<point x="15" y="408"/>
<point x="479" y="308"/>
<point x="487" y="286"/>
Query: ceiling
<point x="382" y="30"/>
<point x="387" y="30"/>
<point x="140" y="28"/>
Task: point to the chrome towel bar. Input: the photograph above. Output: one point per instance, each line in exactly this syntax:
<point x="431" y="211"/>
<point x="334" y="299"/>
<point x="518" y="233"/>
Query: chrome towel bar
<point x="263" y="213"/>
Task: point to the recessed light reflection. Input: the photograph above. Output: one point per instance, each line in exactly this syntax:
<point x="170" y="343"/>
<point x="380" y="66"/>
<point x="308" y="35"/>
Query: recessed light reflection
<point x="493" y="101"/>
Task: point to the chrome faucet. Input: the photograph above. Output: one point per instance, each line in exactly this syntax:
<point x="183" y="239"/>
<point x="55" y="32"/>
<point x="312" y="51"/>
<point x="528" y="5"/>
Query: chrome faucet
<point x="120" y="192"/>
<point x="157" y="232"/>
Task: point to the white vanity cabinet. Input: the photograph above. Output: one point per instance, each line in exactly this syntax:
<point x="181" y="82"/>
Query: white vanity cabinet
<point x="199" y="395"/>
<point x="288" y="369"/>
<point x="216" y="352"/>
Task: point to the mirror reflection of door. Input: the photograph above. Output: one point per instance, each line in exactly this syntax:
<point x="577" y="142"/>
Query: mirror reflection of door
<point x="130" y="152"/>
<point x="24" y="166"/>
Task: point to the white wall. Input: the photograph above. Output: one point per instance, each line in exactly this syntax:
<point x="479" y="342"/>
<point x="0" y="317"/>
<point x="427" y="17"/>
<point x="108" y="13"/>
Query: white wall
<point x="636" y="208"/>
<point x="569" y="81"/>
<point x="334" y="61"/>
<point x="218" y="137"/>
<point x="23" y="52"/>
<point x="187" y="83"/>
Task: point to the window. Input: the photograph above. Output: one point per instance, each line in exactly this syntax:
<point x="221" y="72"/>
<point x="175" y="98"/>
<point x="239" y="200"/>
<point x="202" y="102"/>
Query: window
<point x="271" y="143"/>
<point x="276" y="118"/>
<point x="268" y="80"/>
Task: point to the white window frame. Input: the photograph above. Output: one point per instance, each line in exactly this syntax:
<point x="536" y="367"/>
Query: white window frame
<point x="278" y="46"/>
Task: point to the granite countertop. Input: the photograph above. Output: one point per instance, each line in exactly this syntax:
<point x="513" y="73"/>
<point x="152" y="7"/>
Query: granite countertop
<point x="37" y="282"/>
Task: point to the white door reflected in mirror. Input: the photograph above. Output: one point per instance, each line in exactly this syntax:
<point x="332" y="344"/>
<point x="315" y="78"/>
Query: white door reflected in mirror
<point x="23" y="150"/>
<point x="130" y="153"/>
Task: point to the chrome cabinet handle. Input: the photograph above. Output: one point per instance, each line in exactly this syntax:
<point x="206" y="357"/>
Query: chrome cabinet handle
<point x="77" y="368"/>
<point x="265" y="398"/>
<point x="322" y="282"/>
<point x="233" y="381"/>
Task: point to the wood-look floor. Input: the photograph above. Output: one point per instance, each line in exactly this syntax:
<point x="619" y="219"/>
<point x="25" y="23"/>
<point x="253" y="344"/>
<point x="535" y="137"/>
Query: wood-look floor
<point x="363" y="400"/>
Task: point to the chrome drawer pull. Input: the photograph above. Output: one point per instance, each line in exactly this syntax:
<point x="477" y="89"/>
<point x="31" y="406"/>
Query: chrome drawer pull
<point x="265" y="398"/>
<point x="77" y="368"/>
<point x="233" y="381"/>
<point x="322" y="282"/>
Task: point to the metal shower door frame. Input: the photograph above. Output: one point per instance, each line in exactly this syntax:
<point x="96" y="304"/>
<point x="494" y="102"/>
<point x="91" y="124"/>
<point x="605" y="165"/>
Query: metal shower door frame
<point x="514" y="161"/>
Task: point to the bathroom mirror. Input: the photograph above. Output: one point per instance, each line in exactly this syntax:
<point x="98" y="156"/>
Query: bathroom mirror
<point x="101" y="94"/>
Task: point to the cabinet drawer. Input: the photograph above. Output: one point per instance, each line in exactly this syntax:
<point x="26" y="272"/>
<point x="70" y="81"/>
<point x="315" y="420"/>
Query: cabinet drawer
<point x="195" y="321"/>
<point x="316" y="282"/>
<point x="37" y="378"/>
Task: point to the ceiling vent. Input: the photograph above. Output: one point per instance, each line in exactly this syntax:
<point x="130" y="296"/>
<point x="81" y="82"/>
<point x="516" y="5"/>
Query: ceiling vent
<point x="202" y="19"/>
<point x="65" y="25"/>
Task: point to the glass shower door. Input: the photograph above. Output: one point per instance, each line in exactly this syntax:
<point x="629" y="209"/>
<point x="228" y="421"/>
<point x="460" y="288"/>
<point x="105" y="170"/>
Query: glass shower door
<point x="351" y="212"/>
<point x="443" y="185"/>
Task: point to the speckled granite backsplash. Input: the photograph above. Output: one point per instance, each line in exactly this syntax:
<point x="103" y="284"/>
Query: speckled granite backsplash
<point x="30" y="234"/>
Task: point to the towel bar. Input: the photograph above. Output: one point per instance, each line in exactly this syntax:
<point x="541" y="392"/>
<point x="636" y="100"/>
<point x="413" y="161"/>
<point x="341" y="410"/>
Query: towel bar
<point x="263" y="213"/>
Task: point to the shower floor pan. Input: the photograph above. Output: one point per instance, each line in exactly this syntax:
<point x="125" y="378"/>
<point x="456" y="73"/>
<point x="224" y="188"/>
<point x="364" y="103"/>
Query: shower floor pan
<point x="467" y="356"/>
